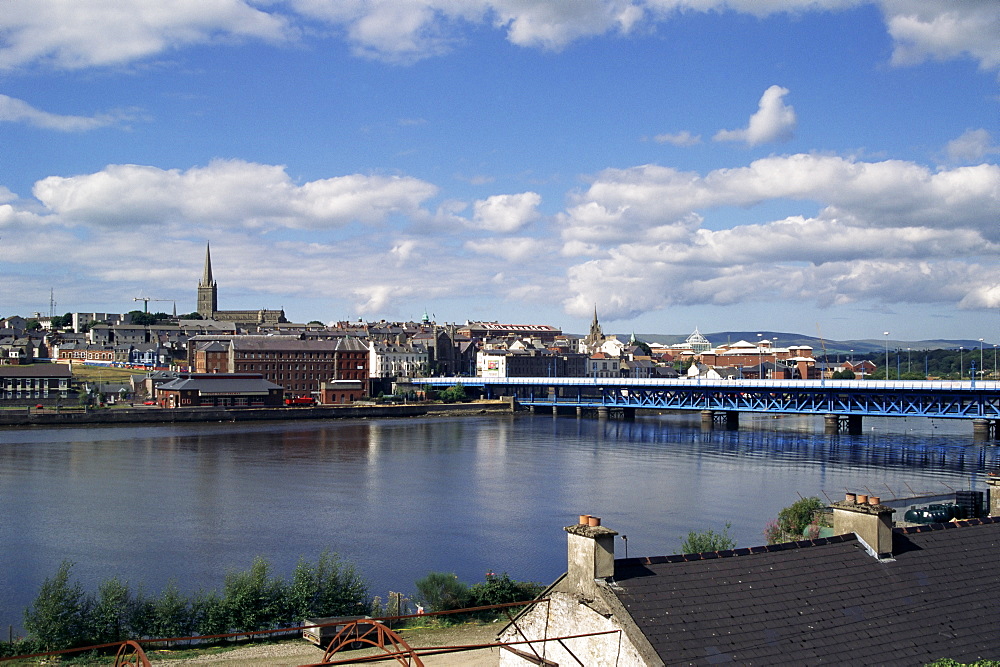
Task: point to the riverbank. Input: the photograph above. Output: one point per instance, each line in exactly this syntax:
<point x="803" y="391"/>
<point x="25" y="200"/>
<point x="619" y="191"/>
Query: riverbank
<point x="155" y="415"/>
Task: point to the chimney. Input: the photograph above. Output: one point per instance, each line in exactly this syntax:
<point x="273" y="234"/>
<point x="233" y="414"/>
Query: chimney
<point x="591" y="553"/>
<point x="868" y="519"/>
<point x="993" y="481"/>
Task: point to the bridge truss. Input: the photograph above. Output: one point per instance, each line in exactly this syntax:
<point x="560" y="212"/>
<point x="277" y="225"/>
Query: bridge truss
<point x="952" y="400"/>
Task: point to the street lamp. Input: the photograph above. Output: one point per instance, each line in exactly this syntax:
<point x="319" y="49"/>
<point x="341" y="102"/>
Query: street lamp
<point x="981" y="355"/>
<point x="994" y="361"/>
<point x="908" y="361"/>
<point x="886" y="334"/>
<point x="961" y="362"/>
<point x="774" y="344"/>
<point x="760" y="359"/>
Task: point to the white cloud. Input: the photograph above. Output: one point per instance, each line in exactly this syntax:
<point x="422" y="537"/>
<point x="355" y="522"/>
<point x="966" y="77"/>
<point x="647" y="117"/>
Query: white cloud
<point x="773" y="121"/>
<point x="515" y="250"/>
<point x="944" y="30"/>
<point x="623" y="204"/>
<point x="684" y="138"/>
<point x="972" y="146"/>
<point x="72" y="35"/>
<point x="228" y="193"/>
<point x="13" y="110"/>
<point x="506" y="213"/>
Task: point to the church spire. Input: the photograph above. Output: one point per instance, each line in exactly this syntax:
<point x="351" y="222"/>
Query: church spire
<point x="206" y="278"/>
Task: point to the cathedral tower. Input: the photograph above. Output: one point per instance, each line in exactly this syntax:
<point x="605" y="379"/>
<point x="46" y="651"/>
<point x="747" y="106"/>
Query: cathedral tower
<point x="208" y="291"/>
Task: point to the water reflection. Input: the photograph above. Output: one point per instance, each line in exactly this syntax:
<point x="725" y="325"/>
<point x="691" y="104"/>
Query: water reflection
<point x="402" y="497"/>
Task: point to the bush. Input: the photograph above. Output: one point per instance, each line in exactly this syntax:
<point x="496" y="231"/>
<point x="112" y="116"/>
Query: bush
<point x="502" y="590"/>
<point x="442" y="591"/>
<point x="709" y="540"/>
<point x="794" y="521"/>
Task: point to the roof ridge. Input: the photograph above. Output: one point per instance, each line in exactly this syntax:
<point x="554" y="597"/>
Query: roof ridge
<point x="958" y="523"/>
<point x="743" y="551"/>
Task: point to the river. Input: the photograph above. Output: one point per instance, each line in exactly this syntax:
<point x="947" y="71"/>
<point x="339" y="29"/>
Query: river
<point x="400" y="498"/>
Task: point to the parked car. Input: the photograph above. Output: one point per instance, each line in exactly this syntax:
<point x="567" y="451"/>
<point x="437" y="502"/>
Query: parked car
<point x="300" y="400"/>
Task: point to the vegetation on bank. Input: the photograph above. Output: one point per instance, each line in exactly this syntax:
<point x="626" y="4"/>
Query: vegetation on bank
<point x="65" y="616"/>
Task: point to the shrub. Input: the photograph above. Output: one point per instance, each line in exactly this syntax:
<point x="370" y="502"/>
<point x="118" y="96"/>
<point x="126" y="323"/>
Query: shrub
<point x="502" y="590"/>
<point x="709" y="540"/>
<point x="442" y="591"/>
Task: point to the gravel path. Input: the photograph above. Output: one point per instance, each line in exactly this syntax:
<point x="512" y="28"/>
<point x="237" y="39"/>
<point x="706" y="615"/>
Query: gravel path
<point x="293" y="653"/>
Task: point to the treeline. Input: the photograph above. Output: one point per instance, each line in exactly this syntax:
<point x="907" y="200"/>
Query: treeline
<point x="919" y="364"/>
<point x="64" y="616"/>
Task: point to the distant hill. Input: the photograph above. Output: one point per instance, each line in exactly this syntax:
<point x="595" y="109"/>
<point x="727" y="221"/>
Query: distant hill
<point x="844" y="347"/>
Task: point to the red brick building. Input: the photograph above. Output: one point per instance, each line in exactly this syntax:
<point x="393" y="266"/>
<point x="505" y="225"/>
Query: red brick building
<point x="299" y="366"/>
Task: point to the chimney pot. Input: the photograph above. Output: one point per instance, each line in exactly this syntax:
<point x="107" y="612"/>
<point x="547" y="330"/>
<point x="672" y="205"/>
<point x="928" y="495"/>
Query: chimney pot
<point x="862" y="498"/>
<point x="584" y="519"/>
<point x="874" y="500"/>
<point x="593" y="521"/>
<point x="850" y="498"/>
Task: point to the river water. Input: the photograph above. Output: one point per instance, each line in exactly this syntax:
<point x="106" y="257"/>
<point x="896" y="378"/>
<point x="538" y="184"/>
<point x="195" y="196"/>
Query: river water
<point x="400" y="498"/>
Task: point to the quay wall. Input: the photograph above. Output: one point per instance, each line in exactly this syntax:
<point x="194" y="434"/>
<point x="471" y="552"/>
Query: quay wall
<point x="50" y="417"/>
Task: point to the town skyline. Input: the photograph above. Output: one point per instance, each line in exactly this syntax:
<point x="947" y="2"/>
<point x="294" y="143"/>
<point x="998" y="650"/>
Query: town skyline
<point x="780" y="166"/>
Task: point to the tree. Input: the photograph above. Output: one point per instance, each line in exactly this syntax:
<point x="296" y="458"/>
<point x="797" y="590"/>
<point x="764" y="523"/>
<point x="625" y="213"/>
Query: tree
<point x="846" y="374"/>
<point x="253" y="598"/>
<point x="709" y="540"/>
<point x="111" y="612"/>
<point x="58" y="616"/>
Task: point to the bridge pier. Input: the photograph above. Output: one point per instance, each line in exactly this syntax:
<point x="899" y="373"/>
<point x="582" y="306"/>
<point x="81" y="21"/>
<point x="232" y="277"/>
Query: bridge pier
<point x="841" y="423"/>
<point x="984" y="429"/>
<point x="628" y="414"/>
<point x="579" y="411"/>
<point x="731" y="419"/>
<point x="603" y="412"/>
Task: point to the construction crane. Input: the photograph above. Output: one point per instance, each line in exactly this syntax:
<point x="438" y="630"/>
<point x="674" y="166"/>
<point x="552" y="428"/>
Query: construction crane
<point x="146" y="299"/>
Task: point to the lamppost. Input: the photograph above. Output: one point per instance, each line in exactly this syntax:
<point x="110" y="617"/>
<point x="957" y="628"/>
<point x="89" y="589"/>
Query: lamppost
<point x="961" y="362"/>
<point x="908" y="361"/>
<point x="886" y="334"/>
<point x="981" y="367"/>
<point x="774" y="346"/>
<point x="760" y="358"/>
<point x="994" y="361"/>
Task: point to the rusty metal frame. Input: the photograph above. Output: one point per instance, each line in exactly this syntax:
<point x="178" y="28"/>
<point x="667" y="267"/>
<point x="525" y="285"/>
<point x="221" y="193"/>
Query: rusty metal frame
<point x="128" y="651"/>
<point x="378" y="635"/>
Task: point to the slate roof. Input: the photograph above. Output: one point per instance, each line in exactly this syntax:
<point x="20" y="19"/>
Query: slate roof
<point x="36" y="371"/>
<point x="824" y="601"/>
<point x="223" y="383"/>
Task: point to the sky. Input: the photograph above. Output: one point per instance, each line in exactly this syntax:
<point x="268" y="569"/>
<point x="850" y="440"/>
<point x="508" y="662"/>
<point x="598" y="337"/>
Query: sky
<point x="815" y="166"/>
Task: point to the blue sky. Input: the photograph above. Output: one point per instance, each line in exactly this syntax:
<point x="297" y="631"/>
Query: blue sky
<point x="741" y="164"/>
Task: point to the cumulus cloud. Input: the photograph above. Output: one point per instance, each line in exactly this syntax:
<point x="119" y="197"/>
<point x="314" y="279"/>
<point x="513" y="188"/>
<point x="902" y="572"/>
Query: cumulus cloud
<point x="943" y="30"/>
<point x="74" y="35"/>
<point x="13" y="110"/>
<point x="228" y="193"/>
<point x="506" y="213"/>
<point x="773" y="121"/>
<point x="621" y="204"/>
<point x="972" y="146"/>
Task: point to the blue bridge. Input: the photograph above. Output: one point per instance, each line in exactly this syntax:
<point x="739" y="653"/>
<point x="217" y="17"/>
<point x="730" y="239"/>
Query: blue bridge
<point x="842" y="403"/>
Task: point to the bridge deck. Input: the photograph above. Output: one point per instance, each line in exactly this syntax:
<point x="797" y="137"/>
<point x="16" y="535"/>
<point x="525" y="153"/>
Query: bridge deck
<point x="892" y="398"/>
